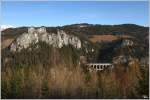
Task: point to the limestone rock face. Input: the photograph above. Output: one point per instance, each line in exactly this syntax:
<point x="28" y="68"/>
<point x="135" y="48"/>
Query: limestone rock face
<point x="33" y="36"/>
<point x="127" y="43"/>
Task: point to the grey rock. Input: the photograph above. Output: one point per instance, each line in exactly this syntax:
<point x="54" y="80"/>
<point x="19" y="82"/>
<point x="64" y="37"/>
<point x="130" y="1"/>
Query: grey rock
<point x="35" y="35"/>
<point x="127" y="42"/>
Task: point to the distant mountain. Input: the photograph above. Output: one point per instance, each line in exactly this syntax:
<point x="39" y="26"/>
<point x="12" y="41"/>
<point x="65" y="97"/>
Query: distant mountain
<point x="3" y="27"/>
<point x="79" y="36"/>
<point x="93" y="29"/>
<point x="85" y="30"/>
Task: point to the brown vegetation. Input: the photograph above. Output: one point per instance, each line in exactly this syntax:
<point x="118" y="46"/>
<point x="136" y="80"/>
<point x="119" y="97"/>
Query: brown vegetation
<point x="106" y="38"/>
<point x="6" y="42"/>
<point x="66" y="82"/>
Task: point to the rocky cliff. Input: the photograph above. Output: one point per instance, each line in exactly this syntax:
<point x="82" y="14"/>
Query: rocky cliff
<point x="33" y="36"/>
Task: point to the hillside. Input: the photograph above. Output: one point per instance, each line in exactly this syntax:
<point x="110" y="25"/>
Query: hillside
<point x="54" y="61"/>
<point x="90" y="33"/>
<point x="90" y="29"/>
<point x="107" y="38"/>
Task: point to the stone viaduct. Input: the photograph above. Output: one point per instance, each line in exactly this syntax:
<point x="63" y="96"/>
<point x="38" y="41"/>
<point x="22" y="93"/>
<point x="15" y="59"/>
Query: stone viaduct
<point x="99" y="66"/>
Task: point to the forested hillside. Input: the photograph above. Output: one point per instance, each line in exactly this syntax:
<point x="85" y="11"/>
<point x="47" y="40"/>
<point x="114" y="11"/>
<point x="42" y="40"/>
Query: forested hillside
<point x="46" y="62"/>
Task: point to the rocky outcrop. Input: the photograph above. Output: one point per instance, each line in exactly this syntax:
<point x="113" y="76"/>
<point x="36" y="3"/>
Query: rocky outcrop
<point x="127" y="42"/>
<point x="33" y="36"/>
<point x="122" y="59"/>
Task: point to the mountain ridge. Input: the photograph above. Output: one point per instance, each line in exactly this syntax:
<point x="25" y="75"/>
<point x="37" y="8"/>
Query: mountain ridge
<point x="82" y="32"/>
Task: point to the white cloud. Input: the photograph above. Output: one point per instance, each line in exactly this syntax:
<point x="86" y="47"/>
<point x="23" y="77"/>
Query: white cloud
<point x="3" y="27"/>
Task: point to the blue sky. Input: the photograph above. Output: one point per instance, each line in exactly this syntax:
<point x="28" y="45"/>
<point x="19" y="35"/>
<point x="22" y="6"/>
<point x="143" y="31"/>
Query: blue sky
<point x="50" y="13"/>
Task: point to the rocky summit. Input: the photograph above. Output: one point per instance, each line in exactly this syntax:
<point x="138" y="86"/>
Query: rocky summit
<point x="33" y="36"/>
